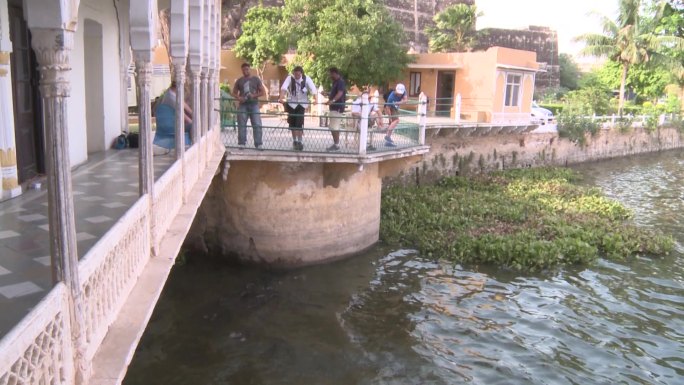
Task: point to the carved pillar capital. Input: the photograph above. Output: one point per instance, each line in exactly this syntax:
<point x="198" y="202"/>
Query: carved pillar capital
<point x="53" y="52"/>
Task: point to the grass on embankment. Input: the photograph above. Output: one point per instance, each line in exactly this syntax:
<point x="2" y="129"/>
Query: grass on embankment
<point x="529" y="219"/>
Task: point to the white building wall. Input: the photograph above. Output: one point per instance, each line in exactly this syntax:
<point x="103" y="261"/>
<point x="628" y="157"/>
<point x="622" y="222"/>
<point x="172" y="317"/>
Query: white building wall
<point x="103" y="12"/>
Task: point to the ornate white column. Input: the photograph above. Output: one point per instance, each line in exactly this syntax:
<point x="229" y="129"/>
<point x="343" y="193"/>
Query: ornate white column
<point x="124" y="62"/>
<point x="143" y="42"/>
<point x="195" y="58"/>
<point x="53" y="48"/>
<point x="206" y="16"/>
<point x="179" y="51"/>
<point x="8" y="154"/>
<point x="211" y="72"/>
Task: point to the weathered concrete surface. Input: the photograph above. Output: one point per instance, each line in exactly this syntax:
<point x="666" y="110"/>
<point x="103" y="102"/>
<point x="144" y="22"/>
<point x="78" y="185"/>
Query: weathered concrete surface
<point x="289" y="214"/>
<point x="453" y="153"/>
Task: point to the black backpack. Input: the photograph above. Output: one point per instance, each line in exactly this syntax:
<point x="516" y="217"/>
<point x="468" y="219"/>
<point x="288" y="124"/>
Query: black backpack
<point x="386" y="95"/>
<point x="293" y="84"/>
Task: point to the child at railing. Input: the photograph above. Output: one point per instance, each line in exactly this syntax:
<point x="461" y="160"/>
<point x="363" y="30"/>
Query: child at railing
<point x="395" y="98"/>
<point x="374" y="116"/>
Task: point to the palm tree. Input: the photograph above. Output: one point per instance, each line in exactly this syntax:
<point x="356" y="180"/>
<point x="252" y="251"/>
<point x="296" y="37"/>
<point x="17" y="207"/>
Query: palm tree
<point x="454" y="28"/>
<point x="628" y="40"/>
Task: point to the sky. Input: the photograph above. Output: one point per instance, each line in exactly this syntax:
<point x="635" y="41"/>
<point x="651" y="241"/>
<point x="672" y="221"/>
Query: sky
<point x="569" y="18"/>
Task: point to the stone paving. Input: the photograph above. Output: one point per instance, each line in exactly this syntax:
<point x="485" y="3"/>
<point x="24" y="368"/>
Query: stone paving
<point x="104" y="188"/>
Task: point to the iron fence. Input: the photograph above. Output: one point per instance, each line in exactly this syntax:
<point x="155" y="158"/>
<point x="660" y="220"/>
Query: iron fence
<point x="317" y="137"/>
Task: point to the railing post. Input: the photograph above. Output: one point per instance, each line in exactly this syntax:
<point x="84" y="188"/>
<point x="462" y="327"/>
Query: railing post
<point x="422" y="117"/>
<point x="612" y="120"/>
<point x="363" y="124"/>
<point x="319" y="106"/>
<point x="661" y="119"/>
<point x="457" y="109"/>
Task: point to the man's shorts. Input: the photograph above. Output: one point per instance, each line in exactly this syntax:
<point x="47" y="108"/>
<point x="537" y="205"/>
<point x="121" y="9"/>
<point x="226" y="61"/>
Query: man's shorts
<point x="335" y="120"/>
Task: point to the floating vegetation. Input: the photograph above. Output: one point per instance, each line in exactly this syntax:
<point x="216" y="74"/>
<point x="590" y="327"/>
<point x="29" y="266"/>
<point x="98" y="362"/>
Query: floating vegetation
<point x="531" y="219"/>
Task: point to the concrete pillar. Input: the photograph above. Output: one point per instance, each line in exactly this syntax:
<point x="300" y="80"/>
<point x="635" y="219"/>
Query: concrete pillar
<point x="8" y="155"/>
<point x="53" y="49"/>
<point x="292" y="214"/>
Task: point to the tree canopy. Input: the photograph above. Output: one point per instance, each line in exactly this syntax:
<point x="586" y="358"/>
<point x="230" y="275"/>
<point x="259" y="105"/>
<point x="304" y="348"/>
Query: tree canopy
<point x="261" y="40"/>
<point x="357" y="36"/>
<point x="454" y="29"/>
<point x="569" y="72"/>
<point x="631" y="39"/>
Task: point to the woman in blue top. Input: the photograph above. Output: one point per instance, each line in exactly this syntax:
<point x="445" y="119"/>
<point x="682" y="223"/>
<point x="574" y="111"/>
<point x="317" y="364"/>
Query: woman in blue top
<point x="395" y="98"/>
<point x="165" y="114"/>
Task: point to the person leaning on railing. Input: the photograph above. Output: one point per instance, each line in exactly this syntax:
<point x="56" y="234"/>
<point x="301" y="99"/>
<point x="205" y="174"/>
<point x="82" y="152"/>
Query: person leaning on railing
<point x="337" y="97"/>
<point x="297" y="87"/>
<point x="395" y="98"/>
<point x="165" y="115"/>
<point x="374" y="115"/>
<point x="247" y="91"/>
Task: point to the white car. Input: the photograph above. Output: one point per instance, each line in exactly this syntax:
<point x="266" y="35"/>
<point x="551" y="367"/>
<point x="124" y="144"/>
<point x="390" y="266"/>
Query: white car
<point x="541" y="115"/>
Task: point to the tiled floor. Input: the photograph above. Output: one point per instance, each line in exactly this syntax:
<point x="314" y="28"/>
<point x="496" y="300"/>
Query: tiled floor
<point x="104" y="188"/>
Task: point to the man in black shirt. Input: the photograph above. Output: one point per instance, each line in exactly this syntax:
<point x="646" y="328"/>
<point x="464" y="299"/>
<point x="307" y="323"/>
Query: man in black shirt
<point x="336" y="101"/>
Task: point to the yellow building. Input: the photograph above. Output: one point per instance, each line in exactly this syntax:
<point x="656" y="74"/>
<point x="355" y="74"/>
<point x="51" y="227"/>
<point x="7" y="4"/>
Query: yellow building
<point x="495" y="86"/>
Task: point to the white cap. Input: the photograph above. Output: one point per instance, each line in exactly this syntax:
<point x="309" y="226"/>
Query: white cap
<point x="400" y="88"/>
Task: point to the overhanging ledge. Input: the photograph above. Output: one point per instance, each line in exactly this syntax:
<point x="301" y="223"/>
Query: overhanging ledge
<point x="233" y="154"/>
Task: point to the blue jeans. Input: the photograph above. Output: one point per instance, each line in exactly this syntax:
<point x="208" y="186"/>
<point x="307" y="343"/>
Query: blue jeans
<point x="250" y="110"/>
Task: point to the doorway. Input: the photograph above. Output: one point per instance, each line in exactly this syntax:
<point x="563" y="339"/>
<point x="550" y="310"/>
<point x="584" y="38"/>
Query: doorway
<point x="94" y="78"/>
<point x="28" y="122"/>
<point x="445" y="93"/>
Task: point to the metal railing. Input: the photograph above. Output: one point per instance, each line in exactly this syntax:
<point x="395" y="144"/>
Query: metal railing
<point x="360" y="133"/>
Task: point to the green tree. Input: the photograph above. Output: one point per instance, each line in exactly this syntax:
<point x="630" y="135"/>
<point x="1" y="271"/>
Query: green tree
<point x="359" y="37"/>
<point x="261" y="40"/>
<point x="646" y="80"/>
<point x="454" y="29"/>
<point x="628" y="40"/>
<point x="569" y="72"/>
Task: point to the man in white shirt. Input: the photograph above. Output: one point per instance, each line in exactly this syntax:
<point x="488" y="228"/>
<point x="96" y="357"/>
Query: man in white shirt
<point x="297" y="87"/>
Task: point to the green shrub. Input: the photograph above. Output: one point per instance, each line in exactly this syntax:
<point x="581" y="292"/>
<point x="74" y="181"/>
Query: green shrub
<point x="575" y="127"/>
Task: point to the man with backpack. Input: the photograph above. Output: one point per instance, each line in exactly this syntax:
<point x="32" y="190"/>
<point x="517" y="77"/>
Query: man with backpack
<point x="298" y="87"/>
<point x="392" y="102"/>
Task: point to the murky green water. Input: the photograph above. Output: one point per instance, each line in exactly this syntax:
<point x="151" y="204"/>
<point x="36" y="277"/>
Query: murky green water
<point x="392" y="317"/>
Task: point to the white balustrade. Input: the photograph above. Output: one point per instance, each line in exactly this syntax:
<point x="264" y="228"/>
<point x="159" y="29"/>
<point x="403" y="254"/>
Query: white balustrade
<point x="168" y="199"/>
<point x="191" y="167"/>
<point x="111" y="268"/>
<point x="38" y="350"/>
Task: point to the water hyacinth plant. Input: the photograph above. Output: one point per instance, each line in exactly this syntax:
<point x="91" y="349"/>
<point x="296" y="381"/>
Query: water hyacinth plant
<point x="530" y="219"/>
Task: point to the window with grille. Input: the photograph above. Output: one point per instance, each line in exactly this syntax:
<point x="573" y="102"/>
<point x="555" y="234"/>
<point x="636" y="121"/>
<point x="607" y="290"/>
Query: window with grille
<point x="414" y="85"/>
<point x="512" y="97"/>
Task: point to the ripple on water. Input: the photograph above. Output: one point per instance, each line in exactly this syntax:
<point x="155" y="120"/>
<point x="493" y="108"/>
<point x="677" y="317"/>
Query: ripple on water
<point x="399" y="318"/>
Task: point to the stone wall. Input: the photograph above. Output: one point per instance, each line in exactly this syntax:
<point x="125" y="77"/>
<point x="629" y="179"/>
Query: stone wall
<point x="416" y="15"/>
<point x="541" y="40"/>
<point x="454" y="154"/>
